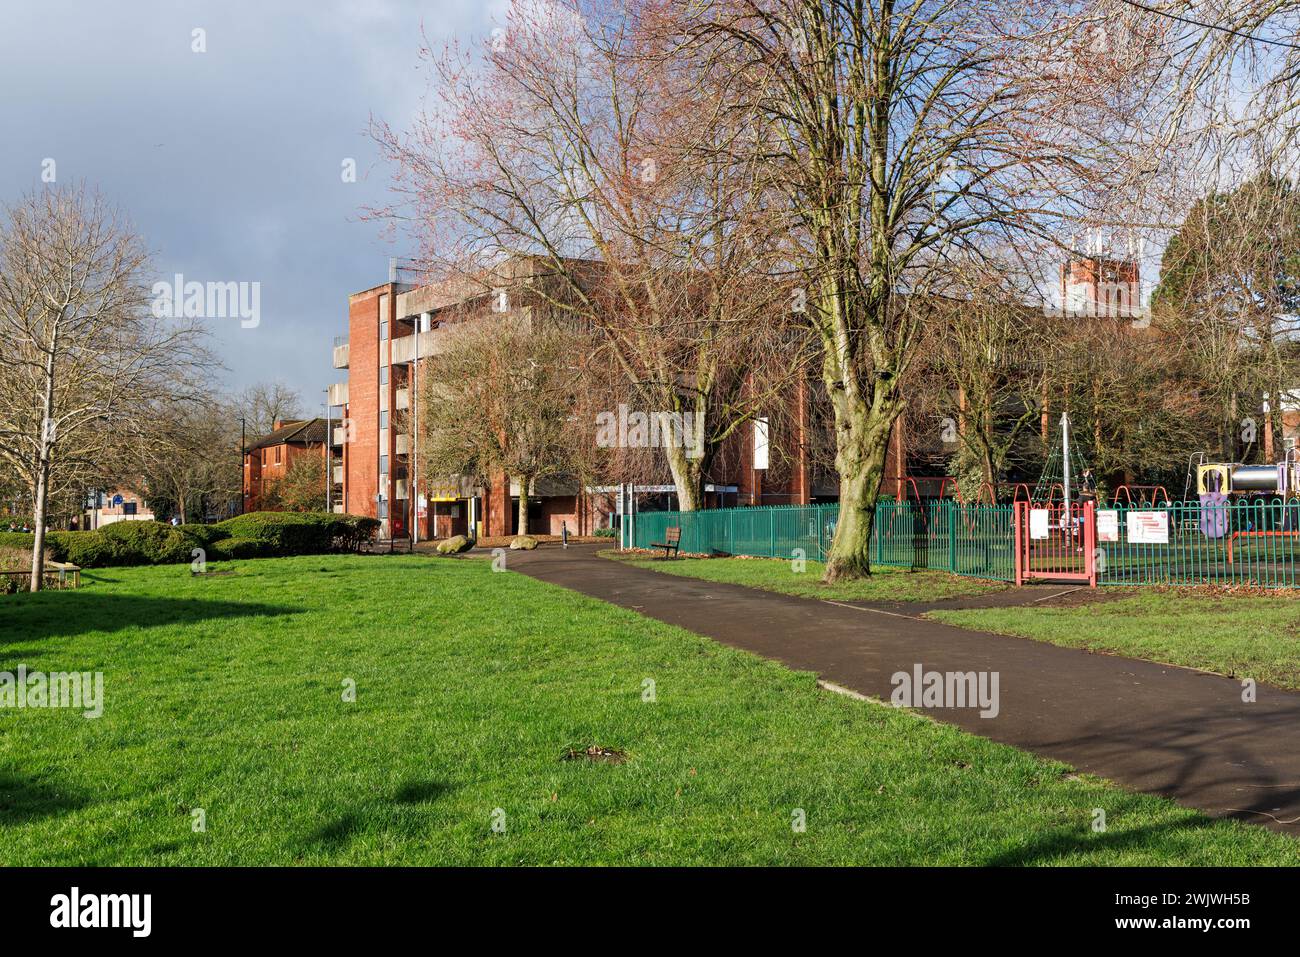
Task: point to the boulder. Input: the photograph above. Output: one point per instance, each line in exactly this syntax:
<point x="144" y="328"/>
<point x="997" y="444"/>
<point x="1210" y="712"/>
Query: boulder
<point x="453" y="545"/>
<point x="525" y="542"/>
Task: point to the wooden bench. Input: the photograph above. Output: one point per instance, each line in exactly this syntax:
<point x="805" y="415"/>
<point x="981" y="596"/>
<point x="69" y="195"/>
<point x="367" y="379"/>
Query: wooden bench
<point x="63" y="569"/>
<point x="672" y="539"/>
<point x="1260" y="534"/>
<point x="51" y="569"/>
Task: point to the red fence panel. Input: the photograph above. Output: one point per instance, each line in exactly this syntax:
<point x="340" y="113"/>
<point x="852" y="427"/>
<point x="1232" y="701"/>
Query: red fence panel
<point x="1056" y="542"/>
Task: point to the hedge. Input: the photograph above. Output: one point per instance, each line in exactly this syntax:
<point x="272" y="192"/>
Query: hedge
<point x="255" y="535"/>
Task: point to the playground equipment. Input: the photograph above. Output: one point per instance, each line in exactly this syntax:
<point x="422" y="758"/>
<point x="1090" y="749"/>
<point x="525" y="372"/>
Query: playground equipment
<point x="1237" y="479"/>
<point x="1219" y="482"/>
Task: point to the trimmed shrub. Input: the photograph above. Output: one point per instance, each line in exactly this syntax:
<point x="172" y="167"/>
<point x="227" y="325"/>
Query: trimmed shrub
<point x="255" y="535"/>
<point x="233" y="548"/>
<point x="145" y="543"/>
<point x="351" y="531"/>
<point x="605" y="533"/>
<point x="301" y="533"/>
<point x="18" y="540"/>
<point x="202" y="535"/>
<point x="87" y="549"/>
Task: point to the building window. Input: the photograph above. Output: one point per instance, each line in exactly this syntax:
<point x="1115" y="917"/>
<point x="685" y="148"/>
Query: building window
<point x="383" y="420"/>
<point x="277" y="455"/>
<point x="383" y="508"/>
<point x="383" y="468"/>
<point x="383" y="375"/>
<point x="383" y="331"/>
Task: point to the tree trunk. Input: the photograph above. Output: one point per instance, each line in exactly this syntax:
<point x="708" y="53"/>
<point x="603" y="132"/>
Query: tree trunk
<point x="38" y="544"/>
<point x="521" y="525"/>
<point x="43" y="466"/>
<point x="862" y="444"/>
<point x="687" y="474"/>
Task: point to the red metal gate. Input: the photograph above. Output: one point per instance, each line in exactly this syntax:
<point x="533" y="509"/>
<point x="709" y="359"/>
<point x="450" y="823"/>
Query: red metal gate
<point x="1056" y="543"/>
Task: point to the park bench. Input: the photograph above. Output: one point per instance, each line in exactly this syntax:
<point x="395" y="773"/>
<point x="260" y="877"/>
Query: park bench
<point x="61" y="569"/>
<point x="1259" y="534"/>
<point x="672" y="539"/>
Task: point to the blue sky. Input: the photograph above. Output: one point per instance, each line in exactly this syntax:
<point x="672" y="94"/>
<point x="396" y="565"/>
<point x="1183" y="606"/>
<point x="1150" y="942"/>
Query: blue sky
<point x="229" y="161"/>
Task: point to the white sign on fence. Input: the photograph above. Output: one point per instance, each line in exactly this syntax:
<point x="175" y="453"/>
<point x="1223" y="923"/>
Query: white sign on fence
<point x="1148" y="528"/>
<point x="1038" y="522"/>
<point x="1108" y="526"/>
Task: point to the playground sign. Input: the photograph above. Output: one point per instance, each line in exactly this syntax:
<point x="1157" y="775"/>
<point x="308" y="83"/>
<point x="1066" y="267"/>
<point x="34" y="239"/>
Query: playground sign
<point x="1039" y="522"/>
<point x="1148" y="528"/>
<point x="1108" y="525"/>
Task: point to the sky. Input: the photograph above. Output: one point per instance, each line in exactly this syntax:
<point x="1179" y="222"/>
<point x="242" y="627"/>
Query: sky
<point x="229" y="162"/>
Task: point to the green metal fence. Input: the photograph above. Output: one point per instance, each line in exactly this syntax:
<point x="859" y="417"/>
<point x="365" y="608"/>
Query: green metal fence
<point x="1187" y="543"/>
<point x="971" y="540"/>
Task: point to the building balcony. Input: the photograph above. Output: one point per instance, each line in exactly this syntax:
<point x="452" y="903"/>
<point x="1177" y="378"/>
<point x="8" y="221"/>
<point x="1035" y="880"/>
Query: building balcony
<point x="402" y="444"/>
<point x="399" y="489"/>
<point x="403" y="399"/>
<point x="341" y="355"/>
<point x="340" y="436"/>
<point x="338" y="393"/>
<point x="420" y="345"/>
<point x="339" y="508"/>
<point x="338" y="475"/>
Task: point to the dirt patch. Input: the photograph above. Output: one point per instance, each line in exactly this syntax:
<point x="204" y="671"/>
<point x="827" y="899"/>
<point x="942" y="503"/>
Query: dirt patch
<point x="595" y="753"/>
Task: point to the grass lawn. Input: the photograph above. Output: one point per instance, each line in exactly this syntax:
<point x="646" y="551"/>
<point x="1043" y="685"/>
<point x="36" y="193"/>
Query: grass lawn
<point x="886" y="583"/>
<point x="225" y="693"/>
<point x="1249" y="636"/>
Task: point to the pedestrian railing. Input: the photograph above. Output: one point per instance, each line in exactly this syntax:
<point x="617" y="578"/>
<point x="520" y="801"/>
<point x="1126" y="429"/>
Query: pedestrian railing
<point x="1183" y="543"/>
<point x="970" y="540"/>
<point x="1194" y="543"/>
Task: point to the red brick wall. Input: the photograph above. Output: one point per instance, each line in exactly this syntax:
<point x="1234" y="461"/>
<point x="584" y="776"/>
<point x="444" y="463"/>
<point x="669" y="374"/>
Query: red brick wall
<point x="257" y="476"/>
<point x="361" y="458"/>
<point x="499" y="520"/>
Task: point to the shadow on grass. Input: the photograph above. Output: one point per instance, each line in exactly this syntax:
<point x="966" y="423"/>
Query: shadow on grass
<point x="22" y="800"/>
<point x="1067" y="845"/>
<point x="342" y="830"/>
<point x="421" y="792"/>
<point x="53" y="614"/>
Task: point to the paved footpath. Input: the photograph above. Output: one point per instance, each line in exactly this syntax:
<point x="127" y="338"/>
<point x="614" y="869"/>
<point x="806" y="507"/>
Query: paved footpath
<point x="1170" y="731"/>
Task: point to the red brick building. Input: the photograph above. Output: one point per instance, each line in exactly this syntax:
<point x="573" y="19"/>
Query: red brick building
<point x="266" y="460"/>
<point x="394" y="326"/>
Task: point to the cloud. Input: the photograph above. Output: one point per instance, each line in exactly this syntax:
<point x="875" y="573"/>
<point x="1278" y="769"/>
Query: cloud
<point x="229" y="161"/>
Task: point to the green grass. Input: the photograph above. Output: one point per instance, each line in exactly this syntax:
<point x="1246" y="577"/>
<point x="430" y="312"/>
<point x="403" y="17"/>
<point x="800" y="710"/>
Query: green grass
<point x="1255" y="636"/>
<point x="224" y="693"/>
<point x="886" y="583"/>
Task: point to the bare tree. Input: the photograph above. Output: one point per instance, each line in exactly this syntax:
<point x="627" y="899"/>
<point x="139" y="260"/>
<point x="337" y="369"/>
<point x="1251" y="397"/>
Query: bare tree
<point x="187" y="453"/>
<point x="906" y="133"/>
<point x="79" y="350"/>
<point x="500" y="397"/>
<point x="572" y="142"/>
<point x="988" y="349"/>
<point x="265" y="403"/>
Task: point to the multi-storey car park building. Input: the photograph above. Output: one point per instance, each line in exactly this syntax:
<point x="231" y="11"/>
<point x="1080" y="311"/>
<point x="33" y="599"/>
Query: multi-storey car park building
<point x="395" y="326"/>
